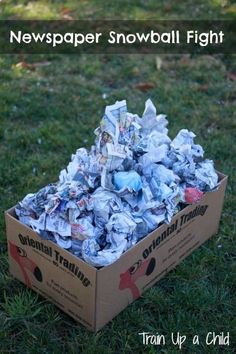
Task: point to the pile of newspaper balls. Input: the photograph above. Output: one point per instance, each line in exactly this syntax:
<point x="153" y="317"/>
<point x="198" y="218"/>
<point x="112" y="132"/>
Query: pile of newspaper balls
<point x="133" y="179"/>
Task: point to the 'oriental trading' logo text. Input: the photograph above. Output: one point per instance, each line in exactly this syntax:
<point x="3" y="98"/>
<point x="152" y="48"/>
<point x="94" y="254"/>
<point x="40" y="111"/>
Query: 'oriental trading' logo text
<point x="58" y="258"/>
<point x="183" y="219"/>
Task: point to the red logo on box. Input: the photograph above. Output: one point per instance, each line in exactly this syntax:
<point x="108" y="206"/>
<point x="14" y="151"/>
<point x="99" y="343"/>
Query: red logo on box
<point x="20" y="256"/>
<point x="137" y="270"/>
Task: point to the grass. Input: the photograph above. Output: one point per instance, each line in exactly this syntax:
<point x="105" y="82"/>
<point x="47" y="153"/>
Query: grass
<point x="48" y="112"/>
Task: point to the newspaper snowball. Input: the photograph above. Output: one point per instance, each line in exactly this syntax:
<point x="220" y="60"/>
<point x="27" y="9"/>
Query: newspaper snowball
<point x="131" y="180"/>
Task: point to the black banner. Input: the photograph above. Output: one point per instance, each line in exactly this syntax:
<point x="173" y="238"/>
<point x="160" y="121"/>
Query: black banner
<point x="121" y="37"/>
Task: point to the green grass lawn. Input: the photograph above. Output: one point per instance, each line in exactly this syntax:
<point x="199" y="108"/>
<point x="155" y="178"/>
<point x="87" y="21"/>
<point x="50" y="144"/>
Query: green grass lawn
<point x="47" y="112"/>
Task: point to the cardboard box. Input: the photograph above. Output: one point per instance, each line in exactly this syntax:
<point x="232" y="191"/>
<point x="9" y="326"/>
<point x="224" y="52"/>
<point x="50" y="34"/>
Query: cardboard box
<point x="91" y="296"/>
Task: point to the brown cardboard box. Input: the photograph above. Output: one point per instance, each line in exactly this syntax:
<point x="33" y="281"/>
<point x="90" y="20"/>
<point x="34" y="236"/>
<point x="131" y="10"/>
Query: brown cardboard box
<point x="92" y="296"/>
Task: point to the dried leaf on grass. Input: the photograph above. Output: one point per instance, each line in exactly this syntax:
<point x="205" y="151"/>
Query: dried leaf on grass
<point x="66" y="13"/>
<point x="32" y="66"/>
<point x="232" y="76"/>
<point x="158" y="63"/>
<point x="144" y="86"/>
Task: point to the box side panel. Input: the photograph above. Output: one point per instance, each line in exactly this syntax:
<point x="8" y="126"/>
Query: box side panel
<point x="51" y="271"/>
<point x="139" y="268"/>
